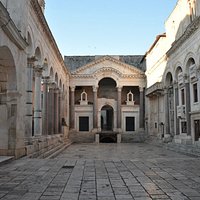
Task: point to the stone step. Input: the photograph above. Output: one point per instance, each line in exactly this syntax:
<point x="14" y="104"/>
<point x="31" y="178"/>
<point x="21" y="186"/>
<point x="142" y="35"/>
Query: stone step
<point x="185" y="149"/>
<point x="55" y="153"/>
<point x="5" y="159"/>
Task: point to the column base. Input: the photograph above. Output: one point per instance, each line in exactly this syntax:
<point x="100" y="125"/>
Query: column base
<point x="97" y="138"/>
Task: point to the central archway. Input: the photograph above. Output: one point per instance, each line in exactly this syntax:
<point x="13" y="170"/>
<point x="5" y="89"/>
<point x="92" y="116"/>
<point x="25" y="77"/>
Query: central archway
<point x="107" y="118"/>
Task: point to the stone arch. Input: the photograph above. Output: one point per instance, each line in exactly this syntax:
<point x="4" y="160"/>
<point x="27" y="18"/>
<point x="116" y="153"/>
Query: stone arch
<point x="107" y="88"/>
<point x="189" y="63"/>
<point x="56" y="78"/>
<point x="38" y="55"/>
<point x="45" y="67"/>
<point x="63" y="87"/>
<point x="108" y="73"/>
<point x="168" y="79"/>
<point x="51" y="73"/>
<point x="190" y="57"/>
<point x="30" y="44"/>
<point x="8" y="100"/>
<point x="60" y="84"/>
<point x="30" y="39"/>
<point x="177" y="72"/>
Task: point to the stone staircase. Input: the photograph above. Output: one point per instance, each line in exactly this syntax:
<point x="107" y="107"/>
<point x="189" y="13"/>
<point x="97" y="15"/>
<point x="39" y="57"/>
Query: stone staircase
<point x="187" y="149"/>
<point x="47" y="148"/>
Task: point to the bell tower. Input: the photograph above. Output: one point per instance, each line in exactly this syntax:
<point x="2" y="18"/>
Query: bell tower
<point x="42" y="4"/>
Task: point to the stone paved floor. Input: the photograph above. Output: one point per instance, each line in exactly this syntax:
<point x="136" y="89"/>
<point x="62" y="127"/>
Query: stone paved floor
<point x="103" y="172"/>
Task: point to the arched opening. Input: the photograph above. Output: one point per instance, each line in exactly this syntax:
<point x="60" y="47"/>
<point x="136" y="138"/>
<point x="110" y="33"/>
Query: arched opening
<point x="56" y="78"/>
<point x="107" y="88"/>
<point x="107" y="118"/>
<point x="108" y="139"/>
<point x="170" y="103"/>
<point x="38" y="54"/>
<point x="8" y="100"/>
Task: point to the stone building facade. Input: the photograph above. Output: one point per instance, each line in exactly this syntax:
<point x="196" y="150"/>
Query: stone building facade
<point x="33" y="81"/>
<point x="107" y="96"/>
<point x="45" y="99"/>
<point x="173" y="77"/>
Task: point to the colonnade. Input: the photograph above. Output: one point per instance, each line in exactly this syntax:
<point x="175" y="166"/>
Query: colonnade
<point x="95" y="107"/>
<point x="44" y="103"/>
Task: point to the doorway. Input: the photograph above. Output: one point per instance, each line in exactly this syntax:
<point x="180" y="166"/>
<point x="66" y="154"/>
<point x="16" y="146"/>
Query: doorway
<point x="197" y="129"/>
<point x="107" y="118"/>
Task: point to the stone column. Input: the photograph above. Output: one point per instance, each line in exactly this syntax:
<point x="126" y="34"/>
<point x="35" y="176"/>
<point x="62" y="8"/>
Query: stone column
<point x="45" y="106"/>
<point x="187" y="104"/>
<point x="119" y="97"/>
<point x="95" y="107"/>
<point x="176" y="103"/>
<point x="51" y="108"/>
<point x="56" y="111"/>
<point x="141" y="107"/>
<point x="37" y="102"/>
<point x="72" y="108"/>
<point x="29" y="101"/>
<point x="166" y="112"/>
<point x="60" y="108"/>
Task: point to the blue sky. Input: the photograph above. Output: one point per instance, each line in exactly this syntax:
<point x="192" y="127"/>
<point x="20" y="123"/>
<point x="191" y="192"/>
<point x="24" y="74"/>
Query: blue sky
<point x="106" y="27"/>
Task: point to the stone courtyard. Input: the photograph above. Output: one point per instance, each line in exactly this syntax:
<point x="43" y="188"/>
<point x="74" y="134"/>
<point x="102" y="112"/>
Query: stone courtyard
<point x="103" y="172"/>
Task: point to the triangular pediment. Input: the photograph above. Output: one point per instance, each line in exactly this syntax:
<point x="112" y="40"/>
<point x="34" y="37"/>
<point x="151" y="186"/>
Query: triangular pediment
<point x="108" y="64"/>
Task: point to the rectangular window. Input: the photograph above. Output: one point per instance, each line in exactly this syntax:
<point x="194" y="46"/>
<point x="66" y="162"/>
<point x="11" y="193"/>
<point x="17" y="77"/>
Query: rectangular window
<point x="130" y="123"/>
<point x="83" y="123"/>
<point x="195" y="93"/>
<point x="183" y="97"/>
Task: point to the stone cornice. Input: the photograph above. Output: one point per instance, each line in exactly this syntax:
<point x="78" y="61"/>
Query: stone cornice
<point x="188" y="32"/>
<point x="109" y="58"/>
<point x="10" y="29"/>
<point x="109" y="71"/>
<point x="157" y="87"/>
<point x="41" y="19"/>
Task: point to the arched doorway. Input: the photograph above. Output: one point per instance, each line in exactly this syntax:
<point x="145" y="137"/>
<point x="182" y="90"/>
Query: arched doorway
<point x="170" y="104"/>
<point x="107" y="118"/>
<point x="8" y="100"/>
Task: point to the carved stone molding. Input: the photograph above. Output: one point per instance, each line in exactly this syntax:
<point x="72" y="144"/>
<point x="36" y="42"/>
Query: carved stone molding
<point x="10" y="29"/>
<point x="187" y="34"/>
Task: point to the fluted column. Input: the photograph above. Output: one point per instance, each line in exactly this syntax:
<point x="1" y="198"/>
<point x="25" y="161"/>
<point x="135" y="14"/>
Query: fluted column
<point x="95" y="107"/>
<point x="29" y="100"/>
<point x="141" y="107"/>
<point x="119" y="96"/>
<point x="37" y="102"/>
<point x="45" y="106"/>
<point x="72" y="108"/>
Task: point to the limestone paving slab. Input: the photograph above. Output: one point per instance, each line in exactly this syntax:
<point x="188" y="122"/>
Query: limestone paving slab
<point x="103" y="172"/>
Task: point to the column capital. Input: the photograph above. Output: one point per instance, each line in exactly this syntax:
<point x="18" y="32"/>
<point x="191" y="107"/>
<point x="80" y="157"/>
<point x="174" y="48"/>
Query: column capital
<point x="95" y="88"/>
<point x="46" y="79"/>
<point x="31" y="60"/>
<point x="119" y="88"/>
<point x="72" y="88"/>
<point x="141" y="89"/>
<point x="52" y="84"/>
